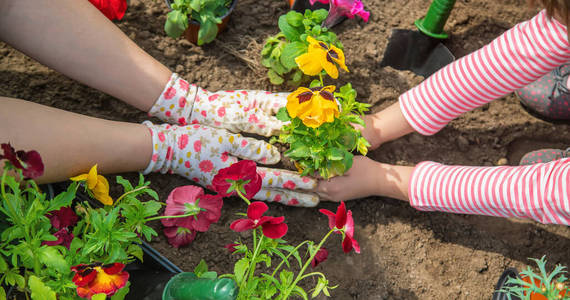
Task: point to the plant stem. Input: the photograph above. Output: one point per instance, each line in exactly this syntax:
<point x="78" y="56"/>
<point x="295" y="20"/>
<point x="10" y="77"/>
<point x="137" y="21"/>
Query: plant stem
<point x="321" y="79"/>
<point x="300" y="275"/>
<point x="171" y="217"/>
<point x="252" y="264"/>
<point x="287" y="258"/>
<point x="130" y="192"/>
<point x="243" y="197"/>
<point x="313" y="274"/>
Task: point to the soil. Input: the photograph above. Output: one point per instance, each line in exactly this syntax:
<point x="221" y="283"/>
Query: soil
<point x="406" y="254"/>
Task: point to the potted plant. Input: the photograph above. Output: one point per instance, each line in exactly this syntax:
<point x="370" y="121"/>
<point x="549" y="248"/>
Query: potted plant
<point x="67" y="247"/>
<point x="528" y="285"/>
<point x="199" y="20"/>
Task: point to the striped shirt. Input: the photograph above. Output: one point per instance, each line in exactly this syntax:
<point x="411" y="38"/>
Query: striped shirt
<point x="518" y="57"/>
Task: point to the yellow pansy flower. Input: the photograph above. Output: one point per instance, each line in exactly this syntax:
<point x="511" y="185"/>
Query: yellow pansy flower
<point x="321" y="56"/>
<point x="97" y="184"/>
<point x="313" y="106"/>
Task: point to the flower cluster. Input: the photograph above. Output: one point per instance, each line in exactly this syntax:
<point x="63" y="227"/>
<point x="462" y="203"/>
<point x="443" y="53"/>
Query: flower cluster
<point x="242" y="179"/>
<point x="340" y="8"/>
<point x="320" y="131"/>
<point x="67" y="246"/>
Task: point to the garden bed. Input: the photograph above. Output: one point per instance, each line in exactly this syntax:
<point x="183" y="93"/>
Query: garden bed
<point x="406" y="254"/>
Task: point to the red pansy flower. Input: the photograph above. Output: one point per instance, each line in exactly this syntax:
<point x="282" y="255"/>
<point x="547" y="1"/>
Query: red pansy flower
<point x="64" y="237"/>
<point x="186" y="199"/>
<point x="64" y="217"/>
<point x="342" y="222"/>
<point x="98" y="278"/>
<point x="321" y="256"/>
<point x="179" y="236"/>
<point x="29" y="162"/>
<point x="112" y="9"/>
<point x="240" y="172"/>
<point x="272" y="227"/>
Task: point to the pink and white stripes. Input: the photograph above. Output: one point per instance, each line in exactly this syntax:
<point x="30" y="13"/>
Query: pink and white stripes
<point x="540" y="192"/>
<point x="518" y="57"/>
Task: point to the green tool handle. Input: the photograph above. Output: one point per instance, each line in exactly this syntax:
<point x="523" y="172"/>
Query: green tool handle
<point x="432" y="24"/>
<point x="187" y="286"/>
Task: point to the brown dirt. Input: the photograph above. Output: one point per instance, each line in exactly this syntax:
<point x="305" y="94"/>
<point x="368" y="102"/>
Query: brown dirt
<point x="406" y="254"/>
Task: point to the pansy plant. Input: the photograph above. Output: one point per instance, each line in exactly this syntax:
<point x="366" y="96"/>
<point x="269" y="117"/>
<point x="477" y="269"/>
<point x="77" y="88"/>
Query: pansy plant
<point x="320" y="134"/>
<point x="280" y="279"/>
<point x="279" y="51"/>
<point x="69" y="246"/>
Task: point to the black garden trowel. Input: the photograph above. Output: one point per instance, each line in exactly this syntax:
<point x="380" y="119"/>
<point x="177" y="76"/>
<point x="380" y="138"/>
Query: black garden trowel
<point x="421" y="51"/>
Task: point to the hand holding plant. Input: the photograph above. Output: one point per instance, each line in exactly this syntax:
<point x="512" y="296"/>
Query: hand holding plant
<point x="320" y="133"/>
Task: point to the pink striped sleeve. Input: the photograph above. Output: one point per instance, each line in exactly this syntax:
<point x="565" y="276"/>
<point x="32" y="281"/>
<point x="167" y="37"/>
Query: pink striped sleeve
<point x="518" y="57"/>
<point x="540" y="191"/>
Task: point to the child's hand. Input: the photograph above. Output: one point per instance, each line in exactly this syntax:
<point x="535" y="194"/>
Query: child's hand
<point x="367" y="178"/>
<point x="358" y="182"/>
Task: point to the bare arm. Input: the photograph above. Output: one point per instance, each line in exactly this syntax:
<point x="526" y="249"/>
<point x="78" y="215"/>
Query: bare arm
<point x="74" y="38"/>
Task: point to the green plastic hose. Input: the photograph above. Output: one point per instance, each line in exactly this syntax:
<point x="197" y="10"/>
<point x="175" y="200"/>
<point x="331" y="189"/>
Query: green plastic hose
<point x="434" y="21"/>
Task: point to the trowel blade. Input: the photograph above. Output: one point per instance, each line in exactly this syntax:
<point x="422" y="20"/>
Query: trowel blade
<point x="415" y="51"/>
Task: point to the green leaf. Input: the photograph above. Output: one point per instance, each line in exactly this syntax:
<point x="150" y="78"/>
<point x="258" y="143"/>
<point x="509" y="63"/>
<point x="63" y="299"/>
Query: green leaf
<point x="176" y="23"/>
<point x="274" y="77"/>
<point x="40" y="291"/>
<point x="266" y="62"/>
<point x="207" y="32"/>
<point x="63" y="199"/>
<point x="320" y="15"/>
<point x="362" y="145"/>
<point x="100" y="296"/>
<point x="195" y="5"/>
<point x="2" y="293"/>
<point x="298" y="150"/>
<point x="316" y="30"/>
<point x="3" y="265"/>
<point x="286" y="277"/>
<point x="122" y="293"/>
<point x="278" y="67"/>
<point x="51" y="257"/>
<point x="290" y="52"/>
<point x="294" y="18"/>
<point x="239" y="269"/>
<point x="136" y="251"/>
<point x="290" y="32"/>
<point x="334" y="154"/>
<point x="283" y="115"/>
<point x="201" y="268"/>
<point x="315" y="83"/>
<point x="297" y="76"/>
<point x="299" y="291"/>
<point x="209" y="275"/>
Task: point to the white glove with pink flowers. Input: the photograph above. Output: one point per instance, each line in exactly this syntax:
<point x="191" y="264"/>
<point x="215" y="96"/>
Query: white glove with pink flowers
<point x="198" y="152"/>
<point x="237" y="111"/>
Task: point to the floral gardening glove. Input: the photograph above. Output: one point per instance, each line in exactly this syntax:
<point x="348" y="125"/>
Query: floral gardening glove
<point x="198" y="152"/>
<point x="249" y="111"/>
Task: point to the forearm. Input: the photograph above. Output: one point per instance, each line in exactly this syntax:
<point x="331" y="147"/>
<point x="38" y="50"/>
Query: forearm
<point x="518" y="57"/>
<point x="386" y="125"/>
<point x="74" y="38"/>
<point x="69" y="143"/>
<point x="540" y="192"/>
